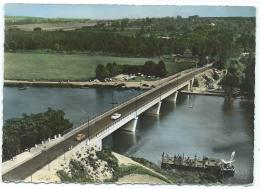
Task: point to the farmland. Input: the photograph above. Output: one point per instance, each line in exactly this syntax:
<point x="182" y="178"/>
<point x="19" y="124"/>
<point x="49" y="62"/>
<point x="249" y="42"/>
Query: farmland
<point x="76" y="67"/>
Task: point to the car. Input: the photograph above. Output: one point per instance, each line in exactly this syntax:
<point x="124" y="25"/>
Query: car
<point x="80" y="137"/>
<point x="115" y="116"/>
<point x="44" y="149"/>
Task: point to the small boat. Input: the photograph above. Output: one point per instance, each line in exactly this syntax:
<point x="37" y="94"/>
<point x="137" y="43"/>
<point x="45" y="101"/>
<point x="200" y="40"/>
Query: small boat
<point x="84" y="87"/>
<point x="23" y="88"/>
<point x="210" y="165"/>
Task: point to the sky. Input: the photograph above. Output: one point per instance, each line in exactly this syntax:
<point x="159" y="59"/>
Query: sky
<point x="123" y="11"/>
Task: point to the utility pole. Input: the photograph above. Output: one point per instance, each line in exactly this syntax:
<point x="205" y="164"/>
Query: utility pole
<point x="49" y="163"/>
<point x="64" y="150"/>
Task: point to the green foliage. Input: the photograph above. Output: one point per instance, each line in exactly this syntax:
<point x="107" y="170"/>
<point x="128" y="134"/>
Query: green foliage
<point x="37" y="29"/>
<point x="101" y="72"/>
<point x="248" y="84"/>
<point x="77" y="173"/>
<point x="149" y="68"/>
<point x="58" y="66"/>
<point x="149" y="164"/>
<point x="146" y="37"/>
<point x="106" y="155"/>
<point x="22" y="133"/>
<point x="192" y="177"/>
<point x="160" y="69"/>
<point x="134" y="169"/>
<point x="234" y="77"/>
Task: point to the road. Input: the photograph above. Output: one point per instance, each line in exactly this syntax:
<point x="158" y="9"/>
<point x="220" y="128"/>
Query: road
<point x="26" y="169"/>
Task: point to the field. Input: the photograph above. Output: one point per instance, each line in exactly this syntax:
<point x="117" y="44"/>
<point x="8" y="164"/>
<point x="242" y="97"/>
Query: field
<point x="73" y="67"/>
<point x="52" y="26"/>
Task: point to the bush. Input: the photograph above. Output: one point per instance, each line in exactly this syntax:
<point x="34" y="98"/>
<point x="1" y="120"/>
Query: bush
<point x="25" y="132"/>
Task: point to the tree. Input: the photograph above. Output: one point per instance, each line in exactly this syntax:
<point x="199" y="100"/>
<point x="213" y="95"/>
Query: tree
<point x="249" y="82"/>
<point x="37" y="29"/>
<point x="101" y="72"/>
<point x="149" y="68"/>
<point x="234" y="77"/>
<point x="160" y="70"/>
<point x="25" y="132"/>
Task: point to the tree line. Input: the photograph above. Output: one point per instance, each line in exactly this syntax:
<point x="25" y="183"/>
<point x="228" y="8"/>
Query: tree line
<point x="23" y="133"/>
<point x="240" y="75"/>
<point x="113" y="69"/>
<point x="203" y="40"/>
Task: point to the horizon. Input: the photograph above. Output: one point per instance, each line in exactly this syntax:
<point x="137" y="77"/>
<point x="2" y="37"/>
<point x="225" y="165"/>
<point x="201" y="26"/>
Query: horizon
<point x="113" y="12"/>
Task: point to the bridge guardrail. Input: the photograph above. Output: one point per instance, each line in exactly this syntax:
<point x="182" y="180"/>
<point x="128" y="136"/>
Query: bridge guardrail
<point x="157" y="96"/>
<point x="82" y="125"/>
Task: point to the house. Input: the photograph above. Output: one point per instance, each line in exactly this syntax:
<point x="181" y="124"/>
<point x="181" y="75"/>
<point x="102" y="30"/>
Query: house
<point x="187" y="53"/>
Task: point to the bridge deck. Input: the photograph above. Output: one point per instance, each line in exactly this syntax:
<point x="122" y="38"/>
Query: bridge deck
<point x="95" y="127"/>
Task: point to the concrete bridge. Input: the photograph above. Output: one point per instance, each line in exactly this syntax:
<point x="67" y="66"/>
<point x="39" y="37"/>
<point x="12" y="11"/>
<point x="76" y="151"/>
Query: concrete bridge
<point x="100" y="127"/>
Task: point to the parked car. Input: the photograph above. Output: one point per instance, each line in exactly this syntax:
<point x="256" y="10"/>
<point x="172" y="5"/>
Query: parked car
<point x="80" y="137"/>
<point x="145" y="85"/>
<point x="115" y="116"/>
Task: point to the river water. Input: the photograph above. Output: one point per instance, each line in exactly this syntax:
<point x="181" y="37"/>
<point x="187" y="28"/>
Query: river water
<point x="200" y="125"/>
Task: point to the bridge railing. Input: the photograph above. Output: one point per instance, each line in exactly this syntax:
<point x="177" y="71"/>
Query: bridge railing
<point x="82" y="125"/>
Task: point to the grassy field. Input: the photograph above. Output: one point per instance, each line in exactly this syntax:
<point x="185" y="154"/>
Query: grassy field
<point x="75" y="67"/>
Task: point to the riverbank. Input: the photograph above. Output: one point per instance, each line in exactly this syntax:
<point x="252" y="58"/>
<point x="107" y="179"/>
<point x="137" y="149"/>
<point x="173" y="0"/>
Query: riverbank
<point x="91" y="84"/>
<point x="206" y="92"/>
<point x="110" y="167"/>
<point x="99" y="170"/>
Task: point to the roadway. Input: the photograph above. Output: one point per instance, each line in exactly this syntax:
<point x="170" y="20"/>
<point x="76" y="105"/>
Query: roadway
<point x="28" y="168"/>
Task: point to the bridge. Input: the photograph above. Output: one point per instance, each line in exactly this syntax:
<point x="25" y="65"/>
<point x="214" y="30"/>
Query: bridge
<point x="100" y="127"/>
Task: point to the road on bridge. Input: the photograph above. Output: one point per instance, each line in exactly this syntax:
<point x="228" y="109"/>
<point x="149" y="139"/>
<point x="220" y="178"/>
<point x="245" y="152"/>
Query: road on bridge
<point x="28" y="168"/>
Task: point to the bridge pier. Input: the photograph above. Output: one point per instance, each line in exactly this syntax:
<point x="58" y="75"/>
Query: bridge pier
<point x="130" y="126"/>
<point x="187" y="87"/>
<point x="173" y="97"/>
<point x="155" y="110"/>
<point x="191" y="82"/>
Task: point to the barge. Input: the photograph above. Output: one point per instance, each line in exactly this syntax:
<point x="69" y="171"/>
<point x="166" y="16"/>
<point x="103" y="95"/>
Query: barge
<point x="211" y="165"/>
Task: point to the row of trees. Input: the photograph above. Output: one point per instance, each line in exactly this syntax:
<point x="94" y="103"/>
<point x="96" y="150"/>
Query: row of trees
<point x="204" y="40"/>
<point x="23" y="133"/>
<point x="149" y="68"/>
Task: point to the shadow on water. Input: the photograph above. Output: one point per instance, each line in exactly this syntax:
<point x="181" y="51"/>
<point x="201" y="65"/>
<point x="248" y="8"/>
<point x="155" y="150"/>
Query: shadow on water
<point x="114" y="141"/>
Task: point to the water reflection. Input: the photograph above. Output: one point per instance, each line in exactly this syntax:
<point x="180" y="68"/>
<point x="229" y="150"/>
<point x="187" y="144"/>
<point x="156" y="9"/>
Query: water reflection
<point x="129" y="139"/>
<point x="212" y="127"/>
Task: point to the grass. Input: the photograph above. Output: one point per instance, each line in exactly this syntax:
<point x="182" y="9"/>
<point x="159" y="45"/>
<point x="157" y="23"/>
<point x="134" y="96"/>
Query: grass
<point x="181" y="177"/>
<point x="73" y="67"/>
<point x="124" y="170"/>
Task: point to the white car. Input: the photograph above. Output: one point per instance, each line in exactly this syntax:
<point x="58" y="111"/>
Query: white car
<point x="115" y="116"/>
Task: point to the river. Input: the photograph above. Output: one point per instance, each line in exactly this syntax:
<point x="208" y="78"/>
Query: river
<point x="200" y="125"/>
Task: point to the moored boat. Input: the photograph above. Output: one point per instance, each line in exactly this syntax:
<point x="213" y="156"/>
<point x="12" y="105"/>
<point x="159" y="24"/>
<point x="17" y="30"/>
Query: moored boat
<point x="211" y="165"/>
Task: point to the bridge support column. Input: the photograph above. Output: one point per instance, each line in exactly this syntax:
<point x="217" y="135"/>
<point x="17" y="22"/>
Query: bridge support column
<point x="130" y="126"/>
<point x="191" y="82"/>
<point x="173" y="97"/>
<point x="155" y="110"/>
<point x="187" y="87"/>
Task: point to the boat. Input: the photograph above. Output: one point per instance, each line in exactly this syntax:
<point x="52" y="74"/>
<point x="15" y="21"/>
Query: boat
<point x="84" y="87"/>
<point x="212" y="165"/>
<point x="23" y="88"/>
